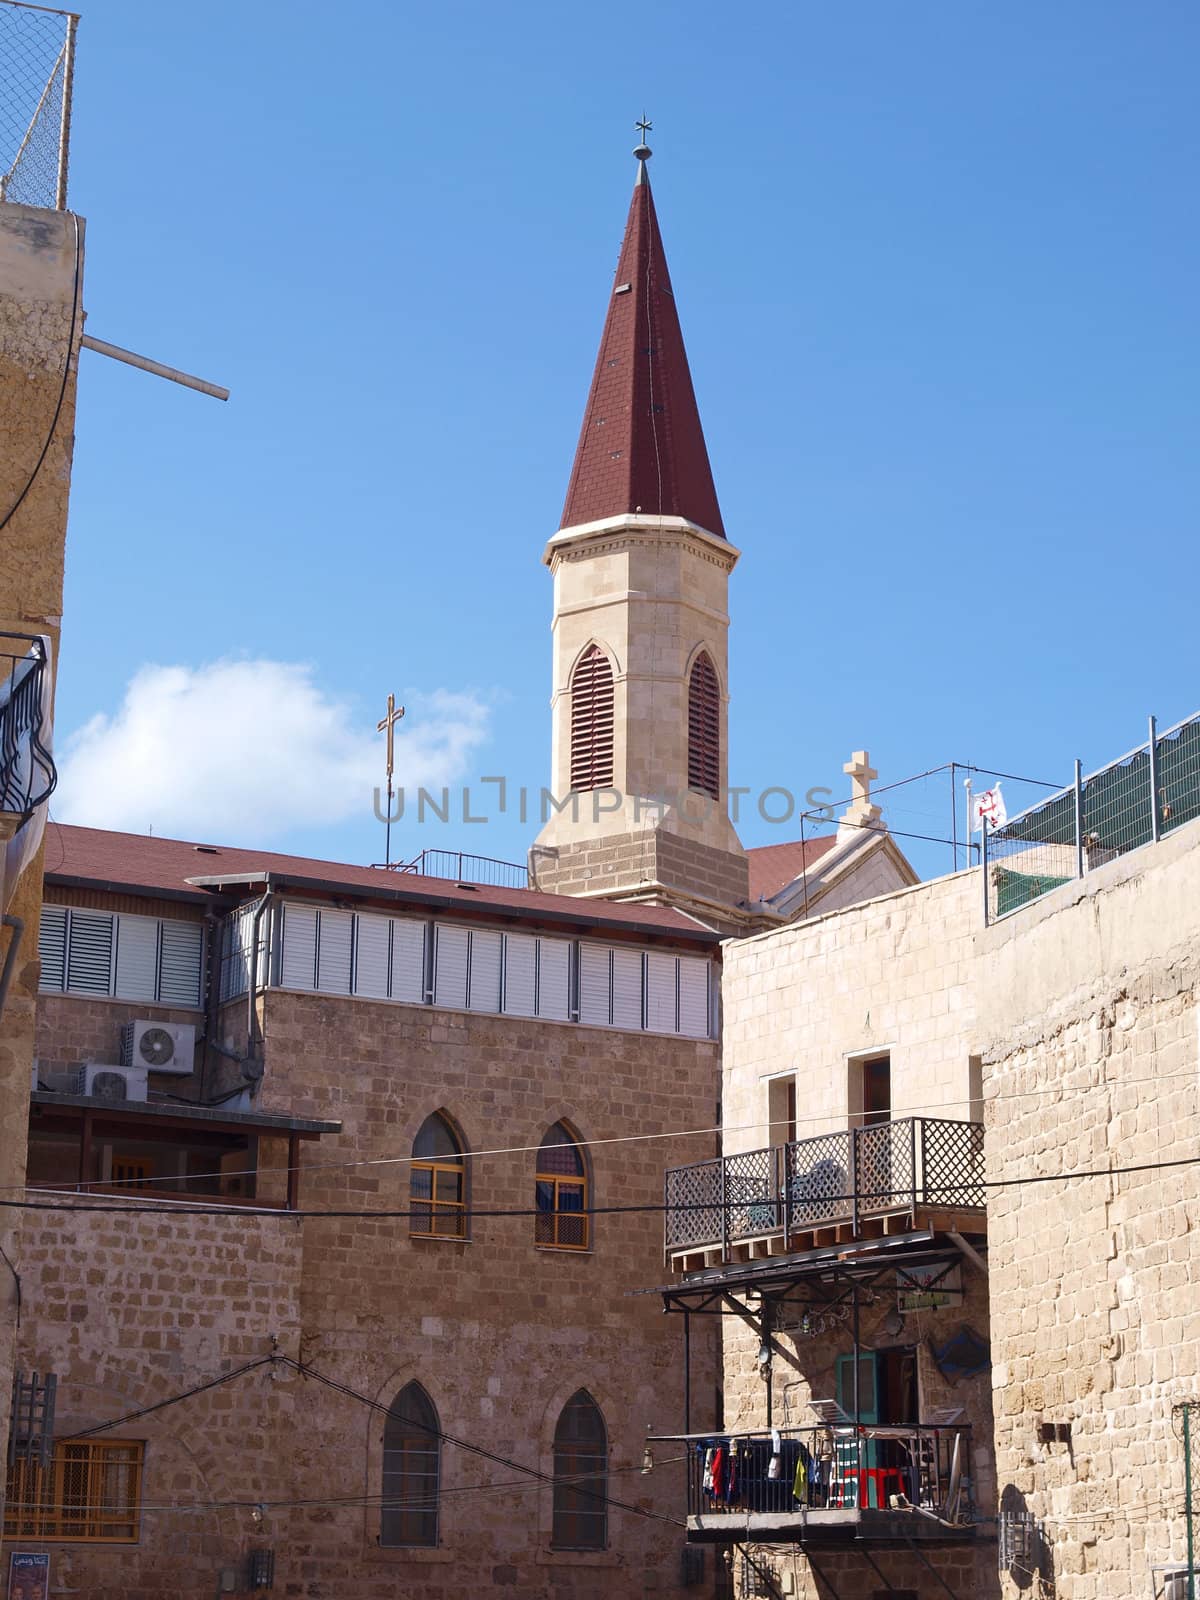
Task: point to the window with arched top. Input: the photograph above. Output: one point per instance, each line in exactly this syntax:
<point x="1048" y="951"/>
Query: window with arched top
<point x="437" y="1182"/>
<point x="580" y="1476"/>
<point x="592" y="721"/>
<point x="704" y="727"/>
<point x="412" y="1469"/>
<point x="561" y="1192"/>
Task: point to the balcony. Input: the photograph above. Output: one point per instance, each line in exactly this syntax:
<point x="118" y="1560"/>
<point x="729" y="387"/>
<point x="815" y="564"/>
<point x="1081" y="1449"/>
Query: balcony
<point x="861" y="1183"/>
<point x="27" y="773"/>
<point x="832" y="1486"/>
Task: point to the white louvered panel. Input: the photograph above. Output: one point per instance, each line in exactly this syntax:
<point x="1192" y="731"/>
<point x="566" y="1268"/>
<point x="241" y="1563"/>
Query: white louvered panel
<point x="520" y="974"/>
<point x="450" y="967"/>
<point x="660" y="992"/>
<point x="554" y="980"/>
<point x="408" y="961"/>
<point x="52" y="948"/>
<point x="487" y="949"/>
<point x="89" y="952"/>
<point x="181" y="963"/>
<point x="693" y="997"/>
<point x="137" y="958"/>
<point x="335" y="936"/>
<point x="594" y="983"/>
<point x="627" y="990"/>
<point x="299" y="969"/>
<point x="372" y="955"/>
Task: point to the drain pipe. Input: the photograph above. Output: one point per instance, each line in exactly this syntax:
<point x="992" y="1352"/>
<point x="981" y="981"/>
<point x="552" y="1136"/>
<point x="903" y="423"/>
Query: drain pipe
<point x="17" y="924"/>
<point x="253" y="1032"/>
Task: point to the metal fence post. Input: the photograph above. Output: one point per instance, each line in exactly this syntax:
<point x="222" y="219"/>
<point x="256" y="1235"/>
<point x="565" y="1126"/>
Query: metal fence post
<point x="854" y="1168"/>
<point x="1155" y="826"/>
<point x="1189" y="1509"/>
<point x="1078" y="818"/>
<point x="721" y="1191"/>
<point x="64" y="127"/>
<point x="983" y="857"/>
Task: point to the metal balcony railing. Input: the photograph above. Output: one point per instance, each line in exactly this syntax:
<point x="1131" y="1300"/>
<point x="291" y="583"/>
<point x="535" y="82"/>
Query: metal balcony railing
<point x="463" y="867"/>
<point x="837" y="1178"/>
<point x="27" y="772"/>
<point x="833" y="1468"/>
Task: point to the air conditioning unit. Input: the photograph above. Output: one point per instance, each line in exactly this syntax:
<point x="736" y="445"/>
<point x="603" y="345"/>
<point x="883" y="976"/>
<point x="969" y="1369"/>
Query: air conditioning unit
<point x="159" y="1046"/>
<point x="103" y="1082"/>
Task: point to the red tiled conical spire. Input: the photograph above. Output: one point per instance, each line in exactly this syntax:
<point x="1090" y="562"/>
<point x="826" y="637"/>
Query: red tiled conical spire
<point x="642" y="447"/>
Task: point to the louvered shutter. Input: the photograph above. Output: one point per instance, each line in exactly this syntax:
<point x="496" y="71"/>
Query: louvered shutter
<point x="660" y="992"/>
<point x="520" y="974"/>
<point x="372" y="956"/>
<point x="90" y="952"/>
<point x="137" y="958"/>
<point x="484" y="988"/>
<point x="450" y="967"/>
<point x="299" y="967"/>
<point x="554" y="980"/>
<point x="181" y="963"/>
<point x="52" y="948"/>
<point x="408" y="961"/>
<point x="627" y="989"/>
<point x="592" y="721"/>
<point x="693" y="997"/>
<point x="335" y="933"/>
<point x="595" y="966"/>
<point x="704" y="728"/>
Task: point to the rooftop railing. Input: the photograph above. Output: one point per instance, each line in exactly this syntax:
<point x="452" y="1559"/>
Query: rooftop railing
<point x="465" y="868"/>
<point x="27" y="771"/>
<point x="845" y="1178"/>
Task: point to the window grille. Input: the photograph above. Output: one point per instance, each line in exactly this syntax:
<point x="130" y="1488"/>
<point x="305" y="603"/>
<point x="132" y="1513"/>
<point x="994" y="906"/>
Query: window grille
<point x="580" y="1476"/>
<point x="592" y="721"/>
<point x="91" y="1493"/>
<point x="412" y="1462"/>
<point x="561" y="1192"/>
<point x="704" y="728"/>
<point x="438" y="1181"/>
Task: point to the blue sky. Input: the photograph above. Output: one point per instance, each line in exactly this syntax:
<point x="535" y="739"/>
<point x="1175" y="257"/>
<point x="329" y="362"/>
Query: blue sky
<point x="936" y="266"/>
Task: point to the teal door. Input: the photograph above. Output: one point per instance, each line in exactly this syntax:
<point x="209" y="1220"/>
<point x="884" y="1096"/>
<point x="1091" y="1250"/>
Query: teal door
<point x="854" y="1456"/>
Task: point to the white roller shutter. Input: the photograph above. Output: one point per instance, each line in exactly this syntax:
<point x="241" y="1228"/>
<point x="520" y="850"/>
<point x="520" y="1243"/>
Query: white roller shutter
<point x="554" y="980"/>
<point x="484" y="988"/>
<point x="660" y="992"/>
<point x="627" y="990"/>
<point x="299" y="969"/>
<point x="52" y="948"/>
<point x="595" y="994"/>
<point x="520" y="974"/>
<point x="450" y="967"/>
<point x="181" y="963"/>
<point x="90" y="952"/>
<point x="137" y="958"/>
<point x="335" y="935"/>
<point x="693" y="997"/>
<point x="408" y="961"/>
<point x="372" y="956"/>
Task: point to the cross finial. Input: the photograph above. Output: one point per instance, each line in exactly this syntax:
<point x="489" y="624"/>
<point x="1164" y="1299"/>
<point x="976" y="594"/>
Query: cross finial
<point x="388" y="725"/>
<point x="643" y="151"/>
<point x="644" y="127"/>
<point x="862" y="812"/>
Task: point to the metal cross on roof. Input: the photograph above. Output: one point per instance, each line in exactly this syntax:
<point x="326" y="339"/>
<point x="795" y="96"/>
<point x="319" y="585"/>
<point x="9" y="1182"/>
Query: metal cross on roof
<point x="387" y="725"/>
<point x="644" y="127"/>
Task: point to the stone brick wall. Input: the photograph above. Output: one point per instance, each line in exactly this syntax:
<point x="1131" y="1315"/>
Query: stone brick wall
<point x="1089" y="1025"/>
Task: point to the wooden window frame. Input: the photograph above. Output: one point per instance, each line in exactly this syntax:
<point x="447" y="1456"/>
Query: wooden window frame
<point x="453" y="1209"/>
<point x="704" y="727"/>
<point x="556" y="1215"/>
<point x="36" y="1506"/>
<point x="593" y="717"/>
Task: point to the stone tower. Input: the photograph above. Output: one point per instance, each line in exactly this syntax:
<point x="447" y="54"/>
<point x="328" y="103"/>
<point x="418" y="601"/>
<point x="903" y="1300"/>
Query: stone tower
<point x="641" y="570"/>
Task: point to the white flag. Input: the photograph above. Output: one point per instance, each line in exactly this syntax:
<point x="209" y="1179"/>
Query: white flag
<point x="988" y="807"/>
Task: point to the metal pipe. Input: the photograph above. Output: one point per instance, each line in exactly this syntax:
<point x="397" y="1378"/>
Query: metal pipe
<point x="1155" y="822"/>
<point x="252" y="1029"/>
<point x="64" y="126"/>
<point x="687" y="1371"/>
<point x="158" y="368"/>
<point x="17" y="924"/>
<point x="983" y="858"/>
<point x="1078" y="818"/>
<point x="1188" y="1506"/>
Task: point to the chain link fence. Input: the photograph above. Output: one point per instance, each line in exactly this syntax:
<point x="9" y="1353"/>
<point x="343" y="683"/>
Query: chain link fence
<point x="37" y="57"/>
<point x="1135" y="800"/>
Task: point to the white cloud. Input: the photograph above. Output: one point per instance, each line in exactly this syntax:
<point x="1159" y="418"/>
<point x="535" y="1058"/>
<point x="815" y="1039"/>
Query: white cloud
<point x="246" y="750"/>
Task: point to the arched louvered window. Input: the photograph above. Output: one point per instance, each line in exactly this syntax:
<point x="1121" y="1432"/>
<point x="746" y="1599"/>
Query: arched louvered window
<point x="580" y="1476"/>
<point x="592" y="721"/>
<point x="704" y="728"/>
<point x="561" y="1192"/>
<point x="437" y="1182"/>
<point x="412" y="1467"/>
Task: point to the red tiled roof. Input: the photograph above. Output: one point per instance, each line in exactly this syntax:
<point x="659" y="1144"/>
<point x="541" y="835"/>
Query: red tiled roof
<point x="141" y="863"/>
<point x="774" y="866"/>
<point x="641" y="447"/>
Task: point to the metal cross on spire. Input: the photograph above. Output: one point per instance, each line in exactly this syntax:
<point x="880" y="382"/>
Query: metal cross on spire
<point x="644" y="127"/>
<point x="643" y="151"/>
<point x="388" y="726"/>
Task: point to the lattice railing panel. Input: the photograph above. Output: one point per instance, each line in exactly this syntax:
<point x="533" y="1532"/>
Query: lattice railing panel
<point x="693" y="1198"/>
<point x="751" y="1194"/>
<point x="818" y="1179"/>
<point x="952" y="1163"/>
<point x="884" y="1166"/>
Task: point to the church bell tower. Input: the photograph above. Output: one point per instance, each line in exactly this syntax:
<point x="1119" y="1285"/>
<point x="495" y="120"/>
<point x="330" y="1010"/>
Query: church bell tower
<point x="641" y="570"/>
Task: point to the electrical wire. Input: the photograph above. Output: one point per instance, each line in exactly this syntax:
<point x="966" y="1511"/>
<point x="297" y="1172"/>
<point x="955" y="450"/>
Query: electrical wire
<point x="66" y="375"/>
